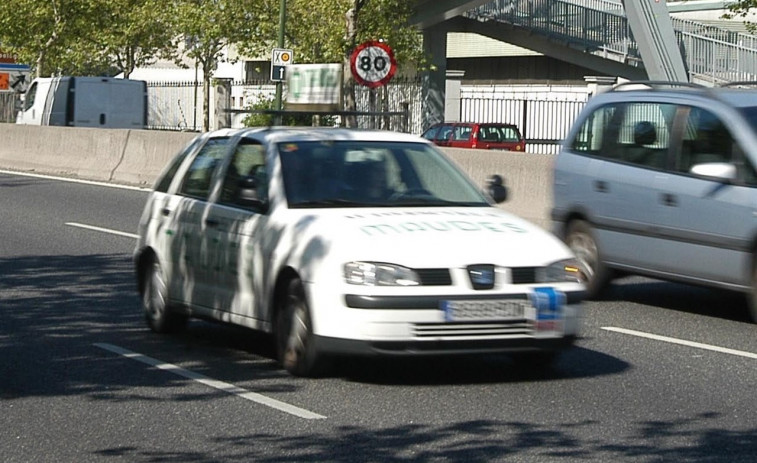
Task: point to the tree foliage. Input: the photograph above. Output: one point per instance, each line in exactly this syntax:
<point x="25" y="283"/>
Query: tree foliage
<point x="742" y="9"/>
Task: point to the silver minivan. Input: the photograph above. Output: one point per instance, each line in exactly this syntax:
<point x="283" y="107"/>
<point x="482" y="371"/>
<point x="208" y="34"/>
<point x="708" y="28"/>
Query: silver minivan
<point x="659" y="179"/>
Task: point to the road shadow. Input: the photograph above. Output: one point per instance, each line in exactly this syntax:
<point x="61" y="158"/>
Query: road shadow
<point x="713" y="302"/>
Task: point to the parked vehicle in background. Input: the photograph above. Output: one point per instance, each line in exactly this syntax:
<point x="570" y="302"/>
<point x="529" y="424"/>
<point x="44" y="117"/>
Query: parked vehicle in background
<point x="487" y="136"/>
<point x="659" y="179"/>
<point x="352" y="243"/>
<point x="85" y="102"/>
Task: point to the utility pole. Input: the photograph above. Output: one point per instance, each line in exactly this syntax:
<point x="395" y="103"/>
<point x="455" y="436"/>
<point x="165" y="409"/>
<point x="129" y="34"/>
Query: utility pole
<point x="279" y="85"/>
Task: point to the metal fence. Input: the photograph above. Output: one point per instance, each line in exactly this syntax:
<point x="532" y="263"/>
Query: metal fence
<point x="543" y="113"/>
<point x="178" y="105"/>
<point x="9" y="106"/>
<point x="711" y="54"/>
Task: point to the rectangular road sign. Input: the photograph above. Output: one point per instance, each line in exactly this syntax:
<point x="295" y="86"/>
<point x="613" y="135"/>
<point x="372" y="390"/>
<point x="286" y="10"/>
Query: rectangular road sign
<point x="280" y="59"/>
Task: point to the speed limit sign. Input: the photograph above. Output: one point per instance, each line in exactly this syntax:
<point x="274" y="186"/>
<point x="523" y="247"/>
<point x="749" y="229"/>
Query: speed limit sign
<point x="373" y="64"/>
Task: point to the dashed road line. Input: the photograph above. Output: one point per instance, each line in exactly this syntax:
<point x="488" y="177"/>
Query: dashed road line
<point x="102" y="230"/>
<point x="682" y="342"/>
<point x="210" y="382"/>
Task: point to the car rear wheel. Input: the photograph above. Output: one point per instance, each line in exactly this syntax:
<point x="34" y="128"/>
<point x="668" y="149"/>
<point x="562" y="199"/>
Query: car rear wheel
<point x="294" y="334"/>
<point x="752" y="299"/>
<point x="157" y="310"/>
<point x="580" y="239"/>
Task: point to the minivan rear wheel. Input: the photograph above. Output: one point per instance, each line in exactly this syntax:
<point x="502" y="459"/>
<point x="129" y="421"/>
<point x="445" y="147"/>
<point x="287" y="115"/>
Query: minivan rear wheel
<point x="580" y="239"/>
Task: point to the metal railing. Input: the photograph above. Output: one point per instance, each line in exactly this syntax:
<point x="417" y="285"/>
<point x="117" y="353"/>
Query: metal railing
<point x="711" y="54"/>
<point x="178" y="105"/>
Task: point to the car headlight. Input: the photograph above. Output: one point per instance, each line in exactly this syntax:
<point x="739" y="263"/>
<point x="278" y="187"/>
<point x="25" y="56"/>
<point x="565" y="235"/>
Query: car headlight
<point x="562" y="271"/>
<point x="379" y="274"/>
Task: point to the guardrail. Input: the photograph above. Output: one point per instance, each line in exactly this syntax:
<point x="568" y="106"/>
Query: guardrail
<point x="136" y="157"/>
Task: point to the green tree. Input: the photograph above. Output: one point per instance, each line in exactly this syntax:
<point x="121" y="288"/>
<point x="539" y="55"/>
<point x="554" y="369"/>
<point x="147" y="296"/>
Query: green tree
<point x="741" y="8"/>
<point x="211" y="26"/>
<point x="135" y="33"/>
<point x="327" y="31"/>
<point x="87" y="36"/>
<point x="47" y="35"/>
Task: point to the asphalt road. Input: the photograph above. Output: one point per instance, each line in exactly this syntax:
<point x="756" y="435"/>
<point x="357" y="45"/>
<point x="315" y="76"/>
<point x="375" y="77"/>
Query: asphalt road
<point x="664" y="372"/>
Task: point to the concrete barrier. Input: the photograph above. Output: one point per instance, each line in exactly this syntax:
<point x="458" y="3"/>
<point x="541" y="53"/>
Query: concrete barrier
<point x="136" y="157"/>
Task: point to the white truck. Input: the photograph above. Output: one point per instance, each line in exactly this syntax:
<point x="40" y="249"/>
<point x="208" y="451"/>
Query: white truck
<point x="85" y="102"/>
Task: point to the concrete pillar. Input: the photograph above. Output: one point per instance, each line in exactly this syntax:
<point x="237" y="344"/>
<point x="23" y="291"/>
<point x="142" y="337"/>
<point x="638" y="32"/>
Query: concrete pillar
<point x="434" y="80"/>
<point x="221" y="115"/>
<point x="452" y="95"/>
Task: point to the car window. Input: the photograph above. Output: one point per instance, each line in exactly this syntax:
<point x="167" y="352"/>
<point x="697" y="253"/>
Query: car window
<point x="445" y="132"/>
<point x="430" y="134"/>
<point x="509" y="133"/>
<point x="248" y="161"/>
<point x="462" y="132"/>
<point x="590" y="136"/>
<point x="197" y="180"/>
<point x="31" y="95"/>
<point x="635" y="133"/>
<point x="164" y="181"/>
<point x="706" y="139"/>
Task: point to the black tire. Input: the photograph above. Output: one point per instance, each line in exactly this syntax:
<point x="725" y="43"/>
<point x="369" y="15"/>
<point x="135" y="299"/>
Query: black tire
<point x="580" y="239"/>
<point x="295" y="346"/>
<point x="158" y="314"/>
<point x="752" y="296"/>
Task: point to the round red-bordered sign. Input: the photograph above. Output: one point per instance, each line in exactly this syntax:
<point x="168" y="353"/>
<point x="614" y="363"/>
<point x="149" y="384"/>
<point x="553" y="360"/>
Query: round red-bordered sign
<point x="372" y="64"/>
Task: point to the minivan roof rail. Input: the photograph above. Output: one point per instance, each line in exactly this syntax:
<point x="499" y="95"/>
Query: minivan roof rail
<point x="740" y="83"/>
<point x="657" y="84"/>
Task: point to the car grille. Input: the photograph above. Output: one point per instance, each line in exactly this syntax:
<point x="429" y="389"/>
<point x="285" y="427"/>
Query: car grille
<point x="459" y="330"/>
<point x="523" y="275"/>
<point x="434" y="276"/>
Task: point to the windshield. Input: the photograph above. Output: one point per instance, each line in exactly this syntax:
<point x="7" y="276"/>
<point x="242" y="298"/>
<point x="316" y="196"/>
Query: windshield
<point x="372" y="174"/>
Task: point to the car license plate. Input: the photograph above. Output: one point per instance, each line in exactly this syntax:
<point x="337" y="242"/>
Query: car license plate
<point x="483" y="310"/>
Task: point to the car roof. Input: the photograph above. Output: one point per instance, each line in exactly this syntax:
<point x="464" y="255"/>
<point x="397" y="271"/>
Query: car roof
<point x="731" y="94"/>
<point x="293" y="134"/>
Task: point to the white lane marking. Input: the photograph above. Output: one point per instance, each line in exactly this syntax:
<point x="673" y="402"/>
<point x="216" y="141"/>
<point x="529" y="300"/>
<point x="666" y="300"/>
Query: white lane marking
<point x="103" y="230"/>
<point x="74" y="180"/>
<point x="220" y="385"/>
<point x="682" y="342"/>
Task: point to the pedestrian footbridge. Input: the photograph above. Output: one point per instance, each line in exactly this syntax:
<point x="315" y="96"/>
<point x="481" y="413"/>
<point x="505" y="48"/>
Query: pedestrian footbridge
<point x="614" y="37"/>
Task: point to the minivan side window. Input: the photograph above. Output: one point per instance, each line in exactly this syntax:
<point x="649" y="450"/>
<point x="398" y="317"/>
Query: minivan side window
<point x="705" y="139"/>
<point x="635" y="133"/>
<point x="590" y="135"/>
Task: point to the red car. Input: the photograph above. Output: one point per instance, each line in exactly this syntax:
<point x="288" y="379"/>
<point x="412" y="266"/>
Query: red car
<point x="488" y="136"/>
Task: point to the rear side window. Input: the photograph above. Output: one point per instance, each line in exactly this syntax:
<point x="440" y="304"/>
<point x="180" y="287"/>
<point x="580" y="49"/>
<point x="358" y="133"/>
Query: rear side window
<point x="635" y="133"/>
<point x="197" y="180"/>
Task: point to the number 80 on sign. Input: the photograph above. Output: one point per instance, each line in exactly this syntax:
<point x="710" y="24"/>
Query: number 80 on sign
<point x="373" y="64"/>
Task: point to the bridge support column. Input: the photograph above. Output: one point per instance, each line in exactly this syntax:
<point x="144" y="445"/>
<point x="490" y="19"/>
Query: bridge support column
<point x="653" y="30"/>
<point x="434" y="79"/>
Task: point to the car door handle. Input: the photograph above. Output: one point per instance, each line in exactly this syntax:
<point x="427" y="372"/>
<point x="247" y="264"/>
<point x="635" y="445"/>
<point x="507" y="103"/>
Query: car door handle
<point x="165" y="211"/>
<point x="668" y="199"/>
<point x="212" y="223"/>
<point x="601" y="186"/>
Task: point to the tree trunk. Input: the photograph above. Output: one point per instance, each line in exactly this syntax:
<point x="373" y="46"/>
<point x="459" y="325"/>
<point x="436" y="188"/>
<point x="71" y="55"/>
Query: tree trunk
<point x="349" y="83"/>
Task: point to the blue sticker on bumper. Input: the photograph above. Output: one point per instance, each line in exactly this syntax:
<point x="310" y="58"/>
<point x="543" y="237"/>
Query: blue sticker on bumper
<point x="548" y="303"/>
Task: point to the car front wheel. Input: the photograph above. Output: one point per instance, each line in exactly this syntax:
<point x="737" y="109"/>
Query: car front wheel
<point x="294" y="334"/>
<point x="158" y="314"/>
<point x="580" y="239"/>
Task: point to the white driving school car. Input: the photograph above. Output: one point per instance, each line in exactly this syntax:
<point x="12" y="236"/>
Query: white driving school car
<point x="351" y="242"/>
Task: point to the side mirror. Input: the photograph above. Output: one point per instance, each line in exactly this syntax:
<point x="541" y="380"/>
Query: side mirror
<point x="496" y="188"/>
<point x="249" y="195"/>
